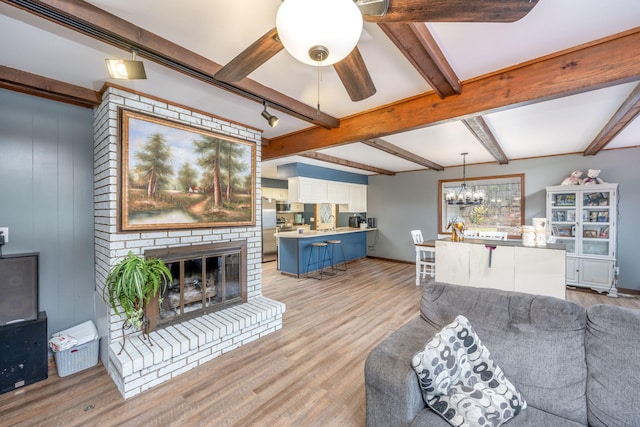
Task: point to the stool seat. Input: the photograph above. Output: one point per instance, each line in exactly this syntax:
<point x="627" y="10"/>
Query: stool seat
<point x="319" y="244"/>
<point x="334" y="242"/>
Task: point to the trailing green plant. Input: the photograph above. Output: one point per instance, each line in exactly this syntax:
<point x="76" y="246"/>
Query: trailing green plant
<point x="132" y="283"/>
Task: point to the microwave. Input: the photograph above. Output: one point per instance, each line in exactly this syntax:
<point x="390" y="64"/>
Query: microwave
<point x="283" y="206"/>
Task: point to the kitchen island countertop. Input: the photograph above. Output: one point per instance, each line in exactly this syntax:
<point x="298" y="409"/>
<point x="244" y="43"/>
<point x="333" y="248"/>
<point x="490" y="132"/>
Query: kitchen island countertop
<point x="294" y="248"/>
<point x="314" y="233"/>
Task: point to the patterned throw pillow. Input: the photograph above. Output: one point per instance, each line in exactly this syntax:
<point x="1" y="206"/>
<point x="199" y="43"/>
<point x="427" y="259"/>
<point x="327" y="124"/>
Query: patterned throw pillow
<point x="461" y="382"/>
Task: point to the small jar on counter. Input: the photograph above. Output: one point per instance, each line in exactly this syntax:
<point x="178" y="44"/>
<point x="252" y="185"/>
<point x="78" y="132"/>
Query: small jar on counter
<point x="528" y="235"/>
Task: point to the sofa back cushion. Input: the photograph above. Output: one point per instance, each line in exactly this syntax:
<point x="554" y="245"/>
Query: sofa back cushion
<point x="537" y="340"/>
<point x="613" y="361"/>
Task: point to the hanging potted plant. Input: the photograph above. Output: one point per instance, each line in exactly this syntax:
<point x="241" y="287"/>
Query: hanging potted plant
<point x="131" y="284"/>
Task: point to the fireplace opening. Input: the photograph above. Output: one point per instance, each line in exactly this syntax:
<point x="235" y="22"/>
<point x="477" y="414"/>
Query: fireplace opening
<point x="206" y="278"/>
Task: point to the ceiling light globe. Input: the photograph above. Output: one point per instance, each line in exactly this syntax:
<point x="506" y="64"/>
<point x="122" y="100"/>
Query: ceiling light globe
<point x="335" y="25"/>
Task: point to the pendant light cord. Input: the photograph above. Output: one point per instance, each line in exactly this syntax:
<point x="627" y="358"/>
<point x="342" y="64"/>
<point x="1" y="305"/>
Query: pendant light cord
<point x="319" y="80"/>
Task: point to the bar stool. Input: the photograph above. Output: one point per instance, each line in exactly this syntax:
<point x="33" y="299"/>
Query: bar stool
<point x="333" y="244"/>
<point x="321" y="259"/>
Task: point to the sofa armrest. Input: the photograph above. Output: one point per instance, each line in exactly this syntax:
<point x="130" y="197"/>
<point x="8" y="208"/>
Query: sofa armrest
<point x="393" y="394"/>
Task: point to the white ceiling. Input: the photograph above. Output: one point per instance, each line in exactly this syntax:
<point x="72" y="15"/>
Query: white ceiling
<point x="219" y="30"/>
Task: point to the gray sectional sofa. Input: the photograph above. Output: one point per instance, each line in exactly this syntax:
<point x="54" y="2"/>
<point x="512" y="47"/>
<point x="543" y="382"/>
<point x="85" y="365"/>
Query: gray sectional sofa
<point x="574" y="367"/>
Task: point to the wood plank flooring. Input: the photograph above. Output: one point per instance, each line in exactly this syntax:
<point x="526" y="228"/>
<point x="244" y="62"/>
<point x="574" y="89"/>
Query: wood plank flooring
<point x="310" y="373"/>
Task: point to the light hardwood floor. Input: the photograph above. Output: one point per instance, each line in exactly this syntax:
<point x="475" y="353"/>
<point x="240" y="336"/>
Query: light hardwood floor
<point x="310" y="373"/>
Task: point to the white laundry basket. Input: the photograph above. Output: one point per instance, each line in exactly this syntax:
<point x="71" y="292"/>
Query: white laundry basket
<point x="81" y="356"/>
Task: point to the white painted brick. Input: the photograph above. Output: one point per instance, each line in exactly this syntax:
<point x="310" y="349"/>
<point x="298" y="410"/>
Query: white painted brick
<point x="155" y="382"/>
<point x="204" y="333"/>
<point x="138" y="105"/>
<point x="184" y="369"/>
<point x="173" y="342"/>
<point x="170" y="368"/>
<point x="192" y="338"/>
<point x="209" y="357"/>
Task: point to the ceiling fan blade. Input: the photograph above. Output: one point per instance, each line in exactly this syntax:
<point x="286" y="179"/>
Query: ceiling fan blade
<point x="355" y="76"/>
<point x="251" y="58"/>
<point x="454" y="11"/>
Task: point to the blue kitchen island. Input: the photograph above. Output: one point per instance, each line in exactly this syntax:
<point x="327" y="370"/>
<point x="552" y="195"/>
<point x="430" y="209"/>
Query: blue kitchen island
<point x="294" y="248"/>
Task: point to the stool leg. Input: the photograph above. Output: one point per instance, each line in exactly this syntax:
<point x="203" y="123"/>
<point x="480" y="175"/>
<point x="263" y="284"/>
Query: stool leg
<point x="344" y="260"/>
<point x="327" y="257"/>
<point x="309" y="263"/>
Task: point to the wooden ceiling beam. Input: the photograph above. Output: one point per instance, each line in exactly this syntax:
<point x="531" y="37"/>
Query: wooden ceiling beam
<point x="479" y="128"/>
<point x="417" y="44"/>
<point x="628" y="111"/>
<point x="44" y="87"/>
<point x="455" y="11"/>
<point x="92" y="21"/>
<point x="343" y="162"/>
<point x="595" y="65"/>
<point x="388" y="147"/>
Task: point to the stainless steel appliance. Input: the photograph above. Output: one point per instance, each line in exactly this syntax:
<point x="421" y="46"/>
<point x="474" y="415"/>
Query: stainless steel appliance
<point x="354" y="221"/>
<point x="283" y="206"/>
<point x="371" y="223"/>
<point x="269" y="248"/>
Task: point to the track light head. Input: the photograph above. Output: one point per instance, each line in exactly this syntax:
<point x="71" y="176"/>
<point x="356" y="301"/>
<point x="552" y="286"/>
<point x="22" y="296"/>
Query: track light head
<point x="270" y="118"/>
<point x="126" y="69"/>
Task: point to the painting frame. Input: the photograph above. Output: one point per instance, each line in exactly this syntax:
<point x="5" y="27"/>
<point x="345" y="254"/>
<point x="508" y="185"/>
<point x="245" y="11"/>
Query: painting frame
<point x="511" y="215"/>
<point x="222" y="194"/>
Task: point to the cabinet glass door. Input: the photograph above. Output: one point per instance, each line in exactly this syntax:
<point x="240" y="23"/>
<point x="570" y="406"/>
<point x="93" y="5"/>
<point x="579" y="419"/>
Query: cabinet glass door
<point x="596" y="215"/>
<point x="563" y="219"/>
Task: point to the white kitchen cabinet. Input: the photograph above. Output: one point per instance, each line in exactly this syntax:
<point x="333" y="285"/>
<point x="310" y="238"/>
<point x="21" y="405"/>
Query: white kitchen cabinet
<point x="584" y="219"/>
<point x="338" y="192"/>
<point x="350" y="197"/>
<point x="308" y="190"/>
<point x="280" y="194"/>
<point x="357" y="199"/>
<point x="296" y="207"/>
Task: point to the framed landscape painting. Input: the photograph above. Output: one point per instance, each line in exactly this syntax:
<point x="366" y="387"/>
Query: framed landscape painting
<point x="174" y="176"/>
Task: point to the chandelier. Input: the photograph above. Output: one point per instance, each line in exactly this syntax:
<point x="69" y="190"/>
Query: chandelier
<point x="464" y="195"/>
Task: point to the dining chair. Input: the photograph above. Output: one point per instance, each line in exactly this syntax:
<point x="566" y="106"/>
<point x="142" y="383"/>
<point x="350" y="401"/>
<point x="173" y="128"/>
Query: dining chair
<point x="425" y="257"/>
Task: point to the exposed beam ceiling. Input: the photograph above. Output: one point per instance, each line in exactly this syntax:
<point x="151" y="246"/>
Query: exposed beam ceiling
<point x="388" y="147"/>
<point x="628" y="111"/>
<point x="21" y="81"/>
<point x="95" y="22"/>
<point x="418" y="45"/>
<point x="343" y="162"/>
<point x="249" y="59"/>
<point x="572" y="71"/>
<point x="479" y="128"/>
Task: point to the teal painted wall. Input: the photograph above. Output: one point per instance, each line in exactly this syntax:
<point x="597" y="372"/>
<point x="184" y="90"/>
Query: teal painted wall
<point x="46" y="199"/>
<point x="409" y="201"/>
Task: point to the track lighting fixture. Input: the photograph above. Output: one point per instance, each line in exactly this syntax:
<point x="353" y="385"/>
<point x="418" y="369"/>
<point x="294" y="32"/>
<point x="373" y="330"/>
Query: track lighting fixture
<point x="271" y="119"/>
<point x="126" y="69"/>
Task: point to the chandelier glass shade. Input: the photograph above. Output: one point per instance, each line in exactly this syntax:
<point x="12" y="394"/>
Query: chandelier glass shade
<point x="319" y="31"/>
<point x="464" y="195"/>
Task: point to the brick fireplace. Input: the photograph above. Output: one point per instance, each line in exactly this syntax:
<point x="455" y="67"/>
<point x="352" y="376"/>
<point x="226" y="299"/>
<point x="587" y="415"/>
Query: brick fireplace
<point x="238" y="313"/>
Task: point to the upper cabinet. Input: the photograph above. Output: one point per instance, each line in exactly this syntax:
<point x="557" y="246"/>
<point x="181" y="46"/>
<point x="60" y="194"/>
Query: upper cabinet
<point x="351" y="197"/>
<point x="275" y="193"/>
<point x="357" y="199"/>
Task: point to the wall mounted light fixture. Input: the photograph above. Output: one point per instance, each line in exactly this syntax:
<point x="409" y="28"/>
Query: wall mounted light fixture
<point x="270" y="118"/>
<point x="126" y="69"/>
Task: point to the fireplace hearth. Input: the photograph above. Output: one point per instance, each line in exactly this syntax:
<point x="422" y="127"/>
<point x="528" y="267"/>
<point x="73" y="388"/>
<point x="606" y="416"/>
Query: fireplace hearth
<point x="206" y="278"/>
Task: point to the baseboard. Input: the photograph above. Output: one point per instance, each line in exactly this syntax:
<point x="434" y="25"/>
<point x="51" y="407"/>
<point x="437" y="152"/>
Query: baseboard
<point x="399" y="261"/>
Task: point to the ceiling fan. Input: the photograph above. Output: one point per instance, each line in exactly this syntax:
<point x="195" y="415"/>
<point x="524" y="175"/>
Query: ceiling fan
<point x="352" y="69"/>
